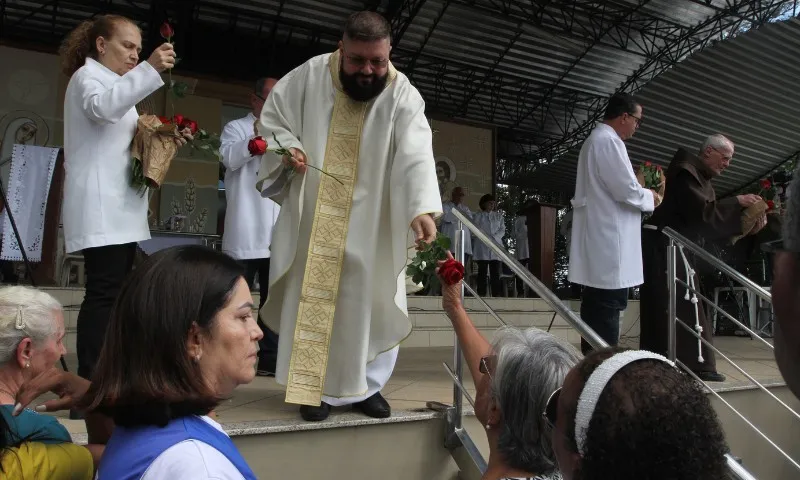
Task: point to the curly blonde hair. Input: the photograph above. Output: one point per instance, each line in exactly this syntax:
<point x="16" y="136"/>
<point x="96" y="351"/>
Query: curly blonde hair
<point x="81" y="43"/>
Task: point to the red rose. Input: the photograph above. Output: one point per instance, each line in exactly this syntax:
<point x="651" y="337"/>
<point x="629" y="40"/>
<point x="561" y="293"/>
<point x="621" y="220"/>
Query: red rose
<point x="766" y="184"/>
<point x="648" y="164"/>
<point x="178" y="119"/>
<point x="451" y="272"/>
<point x="658" y="168"/>
<point x="164" y="120"/>
<point x="770" y="205"/>
<point x="190" y="124"/>
<point x="166" y="31"/>
<point x="257" y="146"/>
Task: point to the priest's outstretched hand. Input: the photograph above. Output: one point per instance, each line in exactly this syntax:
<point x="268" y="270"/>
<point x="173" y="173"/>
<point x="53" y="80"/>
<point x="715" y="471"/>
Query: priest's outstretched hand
<point x="296" y="161"/>
<point x="424" y="228"/>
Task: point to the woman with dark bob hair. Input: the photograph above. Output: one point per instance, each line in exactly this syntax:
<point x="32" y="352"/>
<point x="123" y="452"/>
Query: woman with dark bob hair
<point x="181" y="337"/>
<point x="632" y="415"/>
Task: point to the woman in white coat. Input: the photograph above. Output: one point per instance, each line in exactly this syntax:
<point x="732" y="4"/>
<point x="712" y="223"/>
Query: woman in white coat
<point x="521" y="246"/>
<point x="104" y="216"/>
<point x="491" y="222"/>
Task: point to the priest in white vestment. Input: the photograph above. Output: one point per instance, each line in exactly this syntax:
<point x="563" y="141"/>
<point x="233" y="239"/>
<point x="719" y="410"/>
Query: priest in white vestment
<point x="249" y="218"/>
<point x="339" y="250"/>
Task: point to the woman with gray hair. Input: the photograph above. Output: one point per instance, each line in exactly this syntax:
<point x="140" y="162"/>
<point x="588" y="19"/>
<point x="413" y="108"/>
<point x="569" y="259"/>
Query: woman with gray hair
<point x="514" y="378"/>
<point x="31" y="342"/>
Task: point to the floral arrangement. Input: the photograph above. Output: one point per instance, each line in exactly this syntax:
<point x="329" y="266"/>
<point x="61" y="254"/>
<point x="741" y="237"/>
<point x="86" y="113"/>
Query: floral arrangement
<point x="422" y="268"/>
<point x="771" y="194"/>
<point x="156" y="142"/>
<point x="652" y="176"/>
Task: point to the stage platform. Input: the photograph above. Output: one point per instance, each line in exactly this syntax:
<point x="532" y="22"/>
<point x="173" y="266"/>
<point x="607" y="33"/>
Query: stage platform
<point x="420" y="378"/>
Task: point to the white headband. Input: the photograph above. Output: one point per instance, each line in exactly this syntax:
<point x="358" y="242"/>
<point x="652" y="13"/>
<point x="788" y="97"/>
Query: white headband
<point x="597" y="383"/>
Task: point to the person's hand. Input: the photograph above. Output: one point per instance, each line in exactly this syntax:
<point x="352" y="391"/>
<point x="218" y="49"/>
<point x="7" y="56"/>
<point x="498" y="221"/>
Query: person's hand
<point x="451" y="294"/>
<point x="296" y="161"/>
<point x="748" y="200"/>
<point x="69" y="387"/>
<point x="185" y="135"/>
<point x="761" y="222"/>
<point x="163" y="57"/>
<point x="657" y="199"/>
<point x="424" y="229"/>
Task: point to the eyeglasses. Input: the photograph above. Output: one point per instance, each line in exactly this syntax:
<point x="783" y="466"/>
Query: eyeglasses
<point x="486" y="365"/>
<point x="260" y="97"/>
<point x="550" y="413"/>
<point x="638" y="119"/>
<point x="726" y="157"/>
<point x="361" y="62"/>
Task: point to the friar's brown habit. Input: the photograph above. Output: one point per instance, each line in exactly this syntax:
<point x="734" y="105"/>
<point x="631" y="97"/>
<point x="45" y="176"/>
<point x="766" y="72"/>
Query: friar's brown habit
<point x="690" y="207"/>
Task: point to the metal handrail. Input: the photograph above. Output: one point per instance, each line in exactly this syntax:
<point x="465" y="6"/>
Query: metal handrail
<point x="716" y="262"/>
<point x="460" y="435"/>
<point x="678" y="243"/>
<point x="534" y="283"/>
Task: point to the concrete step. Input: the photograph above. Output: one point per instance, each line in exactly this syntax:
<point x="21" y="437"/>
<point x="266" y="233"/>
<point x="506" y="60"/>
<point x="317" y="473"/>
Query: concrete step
<point x="431" y="326"/>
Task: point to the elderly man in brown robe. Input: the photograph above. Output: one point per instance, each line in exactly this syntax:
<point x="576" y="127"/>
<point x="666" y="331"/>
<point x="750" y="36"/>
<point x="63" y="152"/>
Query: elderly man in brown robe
<point x="691" y="208"/>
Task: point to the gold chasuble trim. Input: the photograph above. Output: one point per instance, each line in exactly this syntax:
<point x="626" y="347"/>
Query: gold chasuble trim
<point x="323" y="270"/>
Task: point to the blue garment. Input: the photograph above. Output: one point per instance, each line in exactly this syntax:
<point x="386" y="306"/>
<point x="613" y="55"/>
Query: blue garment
<point x="131" y="451"/>
<point x="31" y="426"/>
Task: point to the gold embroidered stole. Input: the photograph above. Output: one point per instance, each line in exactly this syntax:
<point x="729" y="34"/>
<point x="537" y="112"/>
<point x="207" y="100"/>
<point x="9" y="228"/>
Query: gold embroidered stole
<point x="323" y="269"/>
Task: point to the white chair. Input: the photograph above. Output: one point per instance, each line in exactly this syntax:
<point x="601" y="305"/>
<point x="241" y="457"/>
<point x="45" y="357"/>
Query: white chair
<point x="67" y="261"/>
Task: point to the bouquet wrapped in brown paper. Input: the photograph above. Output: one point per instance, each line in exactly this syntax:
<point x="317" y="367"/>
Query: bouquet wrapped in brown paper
<point x="750" y="217"/>
<point x="153" y="149"/>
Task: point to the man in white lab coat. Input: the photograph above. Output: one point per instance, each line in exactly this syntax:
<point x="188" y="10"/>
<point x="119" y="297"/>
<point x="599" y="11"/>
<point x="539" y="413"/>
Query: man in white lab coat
<point x="606" y="246"/>
<point x="449" y="224"/>
<point x="249" y="217"/>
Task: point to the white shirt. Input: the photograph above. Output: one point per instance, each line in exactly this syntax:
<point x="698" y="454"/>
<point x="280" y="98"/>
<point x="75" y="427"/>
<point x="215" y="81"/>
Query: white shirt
<point x="606" y="246"/>
<point x="249" y="218"/>
<point x="450" y="224"/>
<point x="522" y="248"/>
<point x="100" y="205"/>
<point x="193" y="460"/>
<point x="493" y="224"/>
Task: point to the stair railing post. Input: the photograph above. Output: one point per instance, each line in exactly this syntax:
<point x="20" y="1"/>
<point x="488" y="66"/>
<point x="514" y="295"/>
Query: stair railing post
<point x="671" y="309"/>
<point x="458" y="398"/>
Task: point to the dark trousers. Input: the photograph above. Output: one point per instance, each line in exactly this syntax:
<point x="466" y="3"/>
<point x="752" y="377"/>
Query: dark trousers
<point x="654" y="306"/>
<point x="492" y="267"/>
<point x="268" y="346"/>
<point x="520" y="283"/>
<point x="106" y="270"/>
<point x="600" y="310"/>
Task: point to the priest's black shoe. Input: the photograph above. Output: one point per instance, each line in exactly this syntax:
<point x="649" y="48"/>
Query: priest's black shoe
<point x="375" y="406"/>
<point x="315" y="414"/>
<point x="708" y="376"/>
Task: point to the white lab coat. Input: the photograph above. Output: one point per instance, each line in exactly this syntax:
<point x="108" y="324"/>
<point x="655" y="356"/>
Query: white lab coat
<point x="249" y="218"/>
<point x="522" y="248"/>
<point x="493" y="224"/>
<point x="100" y="205"/>
<point x="450" y="224"/>
<point x="606" y="246"/>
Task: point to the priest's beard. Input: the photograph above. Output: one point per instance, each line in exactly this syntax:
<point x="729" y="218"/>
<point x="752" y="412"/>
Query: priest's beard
<point x="362" y="92"/>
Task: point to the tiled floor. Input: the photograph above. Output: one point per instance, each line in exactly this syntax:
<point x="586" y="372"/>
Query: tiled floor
<point x="420" y="377"/>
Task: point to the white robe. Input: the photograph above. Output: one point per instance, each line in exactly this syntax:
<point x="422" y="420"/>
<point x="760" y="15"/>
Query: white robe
<point x="522" y="250"/>
<point x="493" y="224"/>
<point x="450" y="224"/>
<point x="606" y="246"/>
<point x="249" y="218"/>
<point x="100" y="205"/>
<point x="396" y="182"/>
